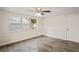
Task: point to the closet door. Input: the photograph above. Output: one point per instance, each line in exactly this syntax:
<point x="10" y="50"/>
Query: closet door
<point x="73" y="28"/>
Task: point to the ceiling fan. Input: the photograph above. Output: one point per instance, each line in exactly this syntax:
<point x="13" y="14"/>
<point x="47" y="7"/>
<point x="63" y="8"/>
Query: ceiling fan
<point x="40" y="11"/>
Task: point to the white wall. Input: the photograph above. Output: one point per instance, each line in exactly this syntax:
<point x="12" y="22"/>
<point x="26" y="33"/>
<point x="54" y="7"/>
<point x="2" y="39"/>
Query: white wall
<point x="7" y="37"/>
<point x="54" y="26"/>
<point x="73" y="25"/>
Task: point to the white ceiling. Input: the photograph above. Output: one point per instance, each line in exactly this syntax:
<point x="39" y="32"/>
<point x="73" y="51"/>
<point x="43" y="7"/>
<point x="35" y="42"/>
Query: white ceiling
<point x="55" y="10"/>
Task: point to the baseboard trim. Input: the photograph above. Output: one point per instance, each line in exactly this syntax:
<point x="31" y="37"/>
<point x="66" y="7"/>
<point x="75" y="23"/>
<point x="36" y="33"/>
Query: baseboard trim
<point x="53" y="37"/>
<point x="20" y="41"/>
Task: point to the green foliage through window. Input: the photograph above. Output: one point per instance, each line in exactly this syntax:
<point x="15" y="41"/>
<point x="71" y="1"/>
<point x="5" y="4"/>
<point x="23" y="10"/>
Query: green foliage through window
<point x="33" y="21"/>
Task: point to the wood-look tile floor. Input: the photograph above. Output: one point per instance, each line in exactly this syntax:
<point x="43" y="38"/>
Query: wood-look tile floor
<point x="42" y="44"/>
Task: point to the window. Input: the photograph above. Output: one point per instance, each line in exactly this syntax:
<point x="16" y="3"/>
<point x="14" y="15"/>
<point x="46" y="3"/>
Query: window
<point x="18" y="23"/>
<point x="34" y="22"/>
<point x="25" y="23"/>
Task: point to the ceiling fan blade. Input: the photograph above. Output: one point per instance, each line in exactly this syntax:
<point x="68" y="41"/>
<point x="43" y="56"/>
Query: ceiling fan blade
<point x="46" y="11"/>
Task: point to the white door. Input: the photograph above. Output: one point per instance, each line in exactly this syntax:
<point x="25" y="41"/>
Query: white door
<point x="73" y="26"/>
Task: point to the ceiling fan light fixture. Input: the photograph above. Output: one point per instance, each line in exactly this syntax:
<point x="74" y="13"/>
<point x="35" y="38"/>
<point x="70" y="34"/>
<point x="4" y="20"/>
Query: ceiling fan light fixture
<point x="38" y="14"/>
